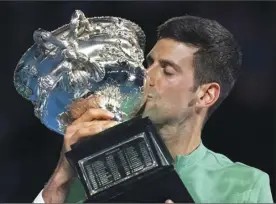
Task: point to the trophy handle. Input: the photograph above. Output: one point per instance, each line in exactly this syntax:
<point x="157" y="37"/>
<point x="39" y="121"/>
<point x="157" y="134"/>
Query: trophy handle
<point x="79" y="23"/>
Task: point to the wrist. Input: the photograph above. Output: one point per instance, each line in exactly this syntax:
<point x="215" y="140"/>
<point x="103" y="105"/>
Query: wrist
<point x="62" y="176"/>
<point x="57" y="188"/>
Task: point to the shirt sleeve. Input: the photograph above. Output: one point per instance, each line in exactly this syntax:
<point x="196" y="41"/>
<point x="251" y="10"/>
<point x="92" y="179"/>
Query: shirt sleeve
<point x="262" y="190"/>
<point x="265" y="195"/>
<point x="39" y="198"/>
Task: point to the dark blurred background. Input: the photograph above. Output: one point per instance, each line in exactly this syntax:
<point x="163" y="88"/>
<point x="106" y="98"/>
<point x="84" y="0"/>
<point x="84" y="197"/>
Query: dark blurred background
<point x="241" y="129"/>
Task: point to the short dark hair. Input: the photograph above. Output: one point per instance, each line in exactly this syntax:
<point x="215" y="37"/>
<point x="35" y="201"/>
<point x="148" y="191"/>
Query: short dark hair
<point x="218" y="58"/>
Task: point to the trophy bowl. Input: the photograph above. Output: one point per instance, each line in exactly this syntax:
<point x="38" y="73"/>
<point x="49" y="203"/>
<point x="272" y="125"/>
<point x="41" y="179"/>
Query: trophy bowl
<point x="99" y="56"/>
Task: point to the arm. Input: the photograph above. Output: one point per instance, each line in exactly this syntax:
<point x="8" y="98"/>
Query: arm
<point x="261" y="192"/>
<point x="57" y="188"/>
<point x="86" y="125"/>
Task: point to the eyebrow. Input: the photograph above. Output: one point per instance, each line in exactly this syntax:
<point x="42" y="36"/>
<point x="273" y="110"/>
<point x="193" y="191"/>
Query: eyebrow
<point x="170" y="63"/>
<point x="149" y="60"/>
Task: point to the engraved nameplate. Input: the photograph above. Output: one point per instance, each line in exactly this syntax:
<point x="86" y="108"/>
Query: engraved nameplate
<point x="117" y="163"/>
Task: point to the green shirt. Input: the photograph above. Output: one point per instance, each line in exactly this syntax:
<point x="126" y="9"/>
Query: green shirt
<point x="212" y="178"/>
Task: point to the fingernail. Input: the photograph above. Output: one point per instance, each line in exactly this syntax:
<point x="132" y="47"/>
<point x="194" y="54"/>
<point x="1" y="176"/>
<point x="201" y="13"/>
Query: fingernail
<point x="169" y="201"/>
<point x="111" y="114"/>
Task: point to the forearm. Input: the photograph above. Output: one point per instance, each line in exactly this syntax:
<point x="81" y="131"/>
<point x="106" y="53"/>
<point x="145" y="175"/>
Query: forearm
<point x="58" y="186"/>
<point x="55" y="194"/>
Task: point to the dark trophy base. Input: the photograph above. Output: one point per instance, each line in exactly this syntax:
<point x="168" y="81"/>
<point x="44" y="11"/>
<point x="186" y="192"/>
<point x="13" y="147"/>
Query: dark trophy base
<point x="127" y="163"/>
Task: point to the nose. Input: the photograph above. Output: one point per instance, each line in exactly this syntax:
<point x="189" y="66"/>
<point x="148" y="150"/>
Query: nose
<point x="151" y="74"/>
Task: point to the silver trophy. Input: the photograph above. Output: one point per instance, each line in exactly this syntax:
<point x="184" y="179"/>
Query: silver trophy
<point x="100" y="56"/>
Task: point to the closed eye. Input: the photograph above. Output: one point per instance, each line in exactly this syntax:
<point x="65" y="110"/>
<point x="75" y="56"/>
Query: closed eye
<point x="168" y="69"/>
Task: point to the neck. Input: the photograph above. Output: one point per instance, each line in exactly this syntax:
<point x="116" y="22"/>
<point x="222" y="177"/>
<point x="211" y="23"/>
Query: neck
<point x="183" y="137"/>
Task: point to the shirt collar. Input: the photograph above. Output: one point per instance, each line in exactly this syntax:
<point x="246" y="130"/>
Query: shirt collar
<point x="192" y="158"/>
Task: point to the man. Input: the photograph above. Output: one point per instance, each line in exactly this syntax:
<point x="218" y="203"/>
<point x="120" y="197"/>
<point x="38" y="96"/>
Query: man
<point x="191" y="69"/>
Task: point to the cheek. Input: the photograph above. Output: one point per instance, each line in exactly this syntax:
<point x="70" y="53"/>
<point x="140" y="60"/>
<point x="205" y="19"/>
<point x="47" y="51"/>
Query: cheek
<point x="177" y="103"/>
<point x="175" y="91"/>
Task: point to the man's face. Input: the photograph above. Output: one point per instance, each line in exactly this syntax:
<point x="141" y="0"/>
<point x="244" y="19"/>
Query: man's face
<point x="171" y="82"/>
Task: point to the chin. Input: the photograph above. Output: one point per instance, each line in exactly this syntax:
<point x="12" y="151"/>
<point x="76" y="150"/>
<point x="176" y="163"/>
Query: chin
<point x="153" y="117"/>
<point x="151" y="111"/>
<point x="147" y="113"/>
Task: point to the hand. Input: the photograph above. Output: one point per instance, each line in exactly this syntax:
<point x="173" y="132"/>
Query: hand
<point x="169" y="201"/>
<point x="91" y="122"/>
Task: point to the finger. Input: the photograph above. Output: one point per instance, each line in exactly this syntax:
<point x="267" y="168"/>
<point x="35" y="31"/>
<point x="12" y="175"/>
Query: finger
<point x="94" y="128"/>
<point x="71" y="129"/>
<point x="169" y="201"/>
<point x="77" y="130"/>
<point x="97" y="127"/>
<point x="94" y="114"/>
<point x="111" y="124"/>
<point x="81" y="105"/>
<point x="78" y="108"/>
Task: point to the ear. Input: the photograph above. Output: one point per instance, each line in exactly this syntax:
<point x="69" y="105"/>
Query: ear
<point x="208" y="94"/>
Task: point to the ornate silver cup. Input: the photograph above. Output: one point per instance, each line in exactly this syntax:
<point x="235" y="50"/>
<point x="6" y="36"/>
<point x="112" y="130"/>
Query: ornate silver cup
<point x="90" y="56"/>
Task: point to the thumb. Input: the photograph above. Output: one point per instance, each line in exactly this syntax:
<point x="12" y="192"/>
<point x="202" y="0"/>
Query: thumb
<point x="169" y="201"/>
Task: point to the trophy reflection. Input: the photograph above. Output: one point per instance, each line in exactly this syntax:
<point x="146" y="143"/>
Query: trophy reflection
<point x="101" y="57"/>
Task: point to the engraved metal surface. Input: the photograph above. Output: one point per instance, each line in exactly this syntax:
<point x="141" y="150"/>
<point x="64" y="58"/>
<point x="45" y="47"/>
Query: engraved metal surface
<point x="88" y="55"/>
<point x="117" y="163"/>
